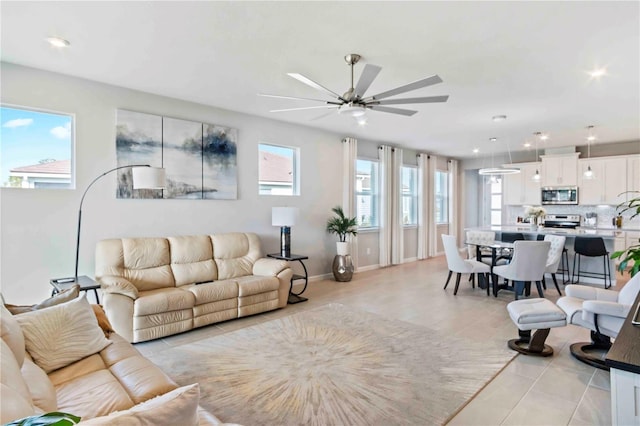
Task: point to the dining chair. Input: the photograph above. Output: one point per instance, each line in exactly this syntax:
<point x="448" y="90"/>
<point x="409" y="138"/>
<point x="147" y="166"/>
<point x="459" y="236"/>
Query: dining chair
<point x="506" y="253"/>
<point x="527" y="265"/>
<point x="461" y="266"/>
<point x="553" y="259"/>
<point x="479" y="237"/>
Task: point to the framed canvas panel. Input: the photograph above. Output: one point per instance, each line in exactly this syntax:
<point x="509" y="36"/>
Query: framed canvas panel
<point x="182" y="158"/>
<point x="138" y="141"/>
<point x="219" y="152"/>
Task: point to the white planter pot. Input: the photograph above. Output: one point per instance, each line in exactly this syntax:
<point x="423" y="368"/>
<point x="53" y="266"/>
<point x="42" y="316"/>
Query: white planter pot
<point x="342" y="248"/>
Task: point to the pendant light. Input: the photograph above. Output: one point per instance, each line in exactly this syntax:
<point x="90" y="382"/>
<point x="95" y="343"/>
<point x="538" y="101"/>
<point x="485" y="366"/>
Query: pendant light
<point x="536" y="177"/>
<point x="498" y="171"/>
<point x="588" y="174"/>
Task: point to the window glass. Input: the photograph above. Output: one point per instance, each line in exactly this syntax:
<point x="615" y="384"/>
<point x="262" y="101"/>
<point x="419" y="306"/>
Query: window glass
<point x="278" y="170"/>
<point x="35" y="149"/>
<point x="367" y="193"/>
<point x="493" y="200"/>
<point x="442" y="197"/>
<point x="409" y="195"/>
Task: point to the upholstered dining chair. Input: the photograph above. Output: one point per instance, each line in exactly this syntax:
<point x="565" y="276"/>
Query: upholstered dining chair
<point x="601" y="311"/>
<point x="527" y="265"/>
<point x="479" y="237"/>
<point x="462" y="266"/>
<point x="553" y="259"/>
<point x="506" y="253"/>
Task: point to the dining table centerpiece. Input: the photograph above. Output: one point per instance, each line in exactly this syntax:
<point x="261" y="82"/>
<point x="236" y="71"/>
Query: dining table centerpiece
<point x="536" y="216"/>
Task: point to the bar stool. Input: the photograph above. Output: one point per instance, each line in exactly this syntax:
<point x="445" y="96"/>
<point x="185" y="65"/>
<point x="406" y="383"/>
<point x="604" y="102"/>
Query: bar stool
<point x="591" y="247"/>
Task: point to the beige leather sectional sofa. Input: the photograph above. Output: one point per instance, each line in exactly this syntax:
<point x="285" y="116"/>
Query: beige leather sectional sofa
<point x="115" y="381"/>
<point x="155" y="287"/>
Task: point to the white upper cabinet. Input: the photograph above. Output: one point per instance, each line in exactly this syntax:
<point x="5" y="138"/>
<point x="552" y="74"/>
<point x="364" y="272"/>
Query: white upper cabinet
<point x="560" y="170"/>
<point x="633" y="175"/>
<point x="608" y="182"/>
<point x="520" y="189"/>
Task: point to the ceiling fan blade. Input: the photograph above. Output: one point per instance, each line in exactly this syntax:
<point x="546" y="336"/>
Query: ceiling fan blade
<point x="265" y="95"/>
<point x="407" y="112"/>
<point x="434" y="79"/>
<point x="303" y="108"/>
<point x="369" y="74"/>
<point x="301" y="78"/>
<point x="424" y="100"/>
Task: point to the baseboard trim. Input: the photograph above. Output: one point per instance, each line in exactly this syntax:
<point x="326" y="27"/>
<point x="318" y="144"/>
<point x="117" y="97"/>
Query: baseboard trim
<point x="410" y="259"/>
<point x="368" y="268"/>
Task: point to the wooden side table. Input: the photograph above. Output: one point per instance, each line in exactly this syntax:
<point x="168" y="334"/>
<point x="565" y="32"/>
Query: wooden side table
<point x="86" y="284"/>
<point x="295" y="297"/>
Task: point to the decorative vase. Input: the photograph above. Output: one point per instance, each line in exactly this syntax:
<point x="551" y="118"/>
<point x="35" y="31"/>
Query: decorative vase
<point x="533" y="223"/>
<point x="342" y="248"/>
<point x="342" y="268"/>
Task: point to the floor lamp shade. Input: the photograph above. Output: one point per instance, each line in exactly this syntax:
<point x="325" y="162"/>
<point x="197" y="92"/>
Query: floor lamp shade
<point x="144" y="177"/>
<point x="284" y="217"/>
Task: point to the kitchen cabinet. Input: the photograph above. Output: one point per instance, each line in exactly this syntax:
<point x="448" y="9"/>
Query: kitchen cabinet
<point x="560" y="169"/>
<point x="633" y="175"/>
<point x="608" y="182"/>
<point x="521" y="189"/>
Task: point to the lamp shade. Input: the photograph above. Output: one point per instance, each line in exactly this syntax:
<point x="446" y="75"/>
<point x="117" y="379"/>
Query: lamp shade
<point x="149" y="178"/>
<point x="284" y="216"/>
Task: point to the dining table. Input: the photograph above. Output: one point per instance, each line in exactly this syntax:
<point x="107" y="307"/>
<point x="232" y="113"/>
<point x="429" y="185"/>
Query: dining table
<point x="499" y="250"/>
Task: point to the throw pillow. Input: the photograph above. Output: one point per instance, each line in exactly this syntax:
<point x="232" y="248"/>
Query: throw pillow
<point x="103" y="321"/>
<point x="178" y="407"/>
<point x="62" y="297"/>
<point x="62" y="334"/>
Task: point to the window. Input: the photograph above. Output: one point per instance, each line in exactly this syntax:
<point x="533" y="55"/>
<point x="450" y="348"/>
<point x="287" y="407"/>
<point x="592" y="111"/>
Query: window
<point x="442" y="197"/>
<point x="278" y="170"/>
<point x="409" y="195"/>
<point x="367" y="193"/>
<point x="36" y="148"/>
<point x="494" y="193"/>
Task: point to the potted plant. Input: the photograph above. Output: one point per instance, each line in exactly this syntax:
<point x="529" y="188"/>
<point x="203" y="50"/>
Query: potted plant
<point x="342" y="226"/>
<point x="631" y="253"/>
<point x="536" y="215"/>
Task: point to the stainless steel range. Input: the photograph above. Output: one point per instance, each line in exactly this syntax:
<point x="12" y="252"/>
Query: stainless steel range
<point x="565" y="221"/>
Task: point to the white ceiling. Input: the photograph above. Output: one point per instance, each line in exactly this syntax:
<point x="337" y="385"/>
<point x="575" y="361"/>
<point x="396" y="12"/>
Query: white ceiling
<point x="528" y="60"/>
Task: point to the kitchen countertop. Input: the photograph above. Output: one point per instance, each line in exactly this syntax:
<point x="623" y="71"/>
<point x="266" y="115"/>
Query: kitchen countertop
<point x="526" y="229"/>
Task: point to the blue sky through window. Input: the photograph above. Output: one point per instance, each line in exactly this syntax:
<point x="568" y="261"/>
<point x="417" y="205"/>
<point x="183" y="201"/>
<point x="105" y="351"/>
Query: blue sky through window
<point x="28" y="137"/>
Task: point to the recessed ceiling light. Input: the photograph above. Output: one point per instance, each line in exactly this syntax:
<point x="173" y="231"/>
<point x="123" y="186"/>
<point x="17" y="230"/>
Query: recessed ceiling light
<point x="526" y="145"/>
<point x="598" y="72"/>
<point x="493" y="139"/>
<point x="476" y="150"/>
<point x="499" y="117"/>
<point x="58" y="42"/>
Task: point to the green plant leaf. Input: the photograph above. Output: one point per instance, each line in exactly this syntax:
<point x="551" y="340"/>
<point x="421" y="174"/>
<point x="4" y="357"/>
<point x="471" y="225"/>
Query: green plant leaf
<point x="49" y="419"/>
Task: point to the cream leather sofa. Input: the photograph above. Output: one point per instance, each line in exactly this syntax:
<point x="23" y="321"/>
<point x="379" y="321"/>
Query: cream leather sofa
<point x="114" y="379"/>
<point x="155" y="287"/>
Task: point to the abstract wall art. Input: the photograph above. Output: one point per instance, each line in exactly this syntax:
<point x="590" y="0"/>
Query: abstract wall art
<point x="200" y="159"/>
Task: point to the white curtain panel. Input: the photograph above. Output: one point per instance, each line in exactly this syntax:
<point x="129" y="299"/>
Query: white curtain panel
<point x="454" y="192"/>
<point x="431" y="212"/>
<point x="385" y="155"/>
<point x="423" y="206"/>
<point x="391" y="231"/>
<point x="349" y="158"/>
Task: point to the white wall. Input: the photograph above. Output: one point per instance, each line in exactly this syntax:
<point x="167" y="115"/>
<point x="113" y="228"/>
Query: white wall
<point x="38" y="227"/>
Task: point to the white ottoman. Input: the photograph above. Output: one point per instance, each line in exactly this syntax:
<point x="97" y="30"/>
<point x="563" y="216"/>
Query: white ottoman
<point x="534" y="314"/>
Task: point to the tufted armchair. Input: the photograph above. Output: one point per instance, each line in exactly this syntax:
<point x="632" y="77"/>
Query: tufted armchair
<point x="479" y="237"/>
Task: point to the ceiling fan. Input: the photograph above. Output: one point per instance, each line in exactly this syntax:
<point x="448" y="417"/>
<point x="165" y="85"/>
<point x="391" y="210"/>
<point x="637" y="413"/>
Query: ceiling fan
<point x="353" y="102"/>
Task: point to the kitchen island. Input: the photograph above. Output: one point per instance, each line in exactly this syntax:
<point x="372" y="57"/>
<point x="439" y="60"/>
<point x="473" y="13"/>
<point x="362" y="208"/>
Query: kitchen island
<point x="611" y="238"/>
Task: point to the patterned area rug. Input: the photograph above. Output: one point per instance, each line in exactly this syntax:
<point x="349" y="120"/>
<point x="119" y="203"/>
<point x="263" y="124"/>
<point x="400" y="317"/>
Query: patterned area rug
<point x="335" y="366"/>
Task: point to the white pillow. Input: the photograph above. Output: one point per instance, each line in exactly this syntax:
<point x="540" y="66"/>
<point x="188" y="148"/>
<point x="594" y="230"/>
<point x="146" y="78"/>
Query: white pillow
<point x="62" y="334"/>
<point x="178" y="407"/>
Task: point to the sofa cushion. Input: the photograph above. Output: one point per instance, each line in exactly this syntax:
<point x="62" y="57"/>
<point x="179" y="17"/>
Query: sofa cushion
<point x="63" y="296"/>
<point x="192" y="259"/>
<point x="73" y="323"/>
<point x="12" y="335"/>
<point x="146" y="263"/>
<point x="214" y="291"/>
<point x="141" y="379"/>
<point x="43" y="395"/>
<point x="15" y="399"/>
<point x="248" y="286"/>
<point x="92" y="395"/>
<point x="177" y="407"/>
<point x="162" y="301"/>
<point x="235" y="254"/>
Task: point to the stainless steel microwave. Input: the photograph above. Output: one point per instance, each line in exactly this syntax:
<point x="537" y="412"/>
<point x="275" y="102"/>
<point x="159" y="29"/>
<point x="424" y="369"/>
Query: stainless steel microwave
<point x="560" y="195"/>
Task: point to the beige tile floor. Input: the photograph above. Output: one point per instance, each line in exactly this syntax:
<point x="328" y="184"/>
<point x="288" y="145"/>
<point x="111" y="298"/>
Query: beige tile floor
<point x="529" y="391"/>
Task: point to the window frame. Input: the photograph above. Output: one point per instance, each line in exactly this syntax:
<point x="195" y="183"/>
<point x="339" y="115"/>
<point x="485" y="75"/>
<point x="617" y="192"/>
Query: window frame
<point x="295" y="167"/>
<point x="445" y="198"/>
<point x="374" y="194"/>
<point x="72" y="146"/>
<point x="488" y="200"/>
<point x="413" y="196"/>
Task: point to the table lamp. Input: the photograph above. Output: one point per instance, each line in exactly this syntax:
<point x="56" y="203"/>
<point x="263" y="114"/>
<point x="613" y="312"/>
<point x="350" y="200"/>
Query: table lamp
<point x="284" y="217"/>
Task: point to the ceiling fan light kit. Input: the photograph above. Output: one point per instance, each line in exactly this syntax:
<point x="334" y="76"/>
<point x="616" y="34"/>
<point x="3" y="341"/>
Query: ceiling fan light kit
<point x="353" y="102"/>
